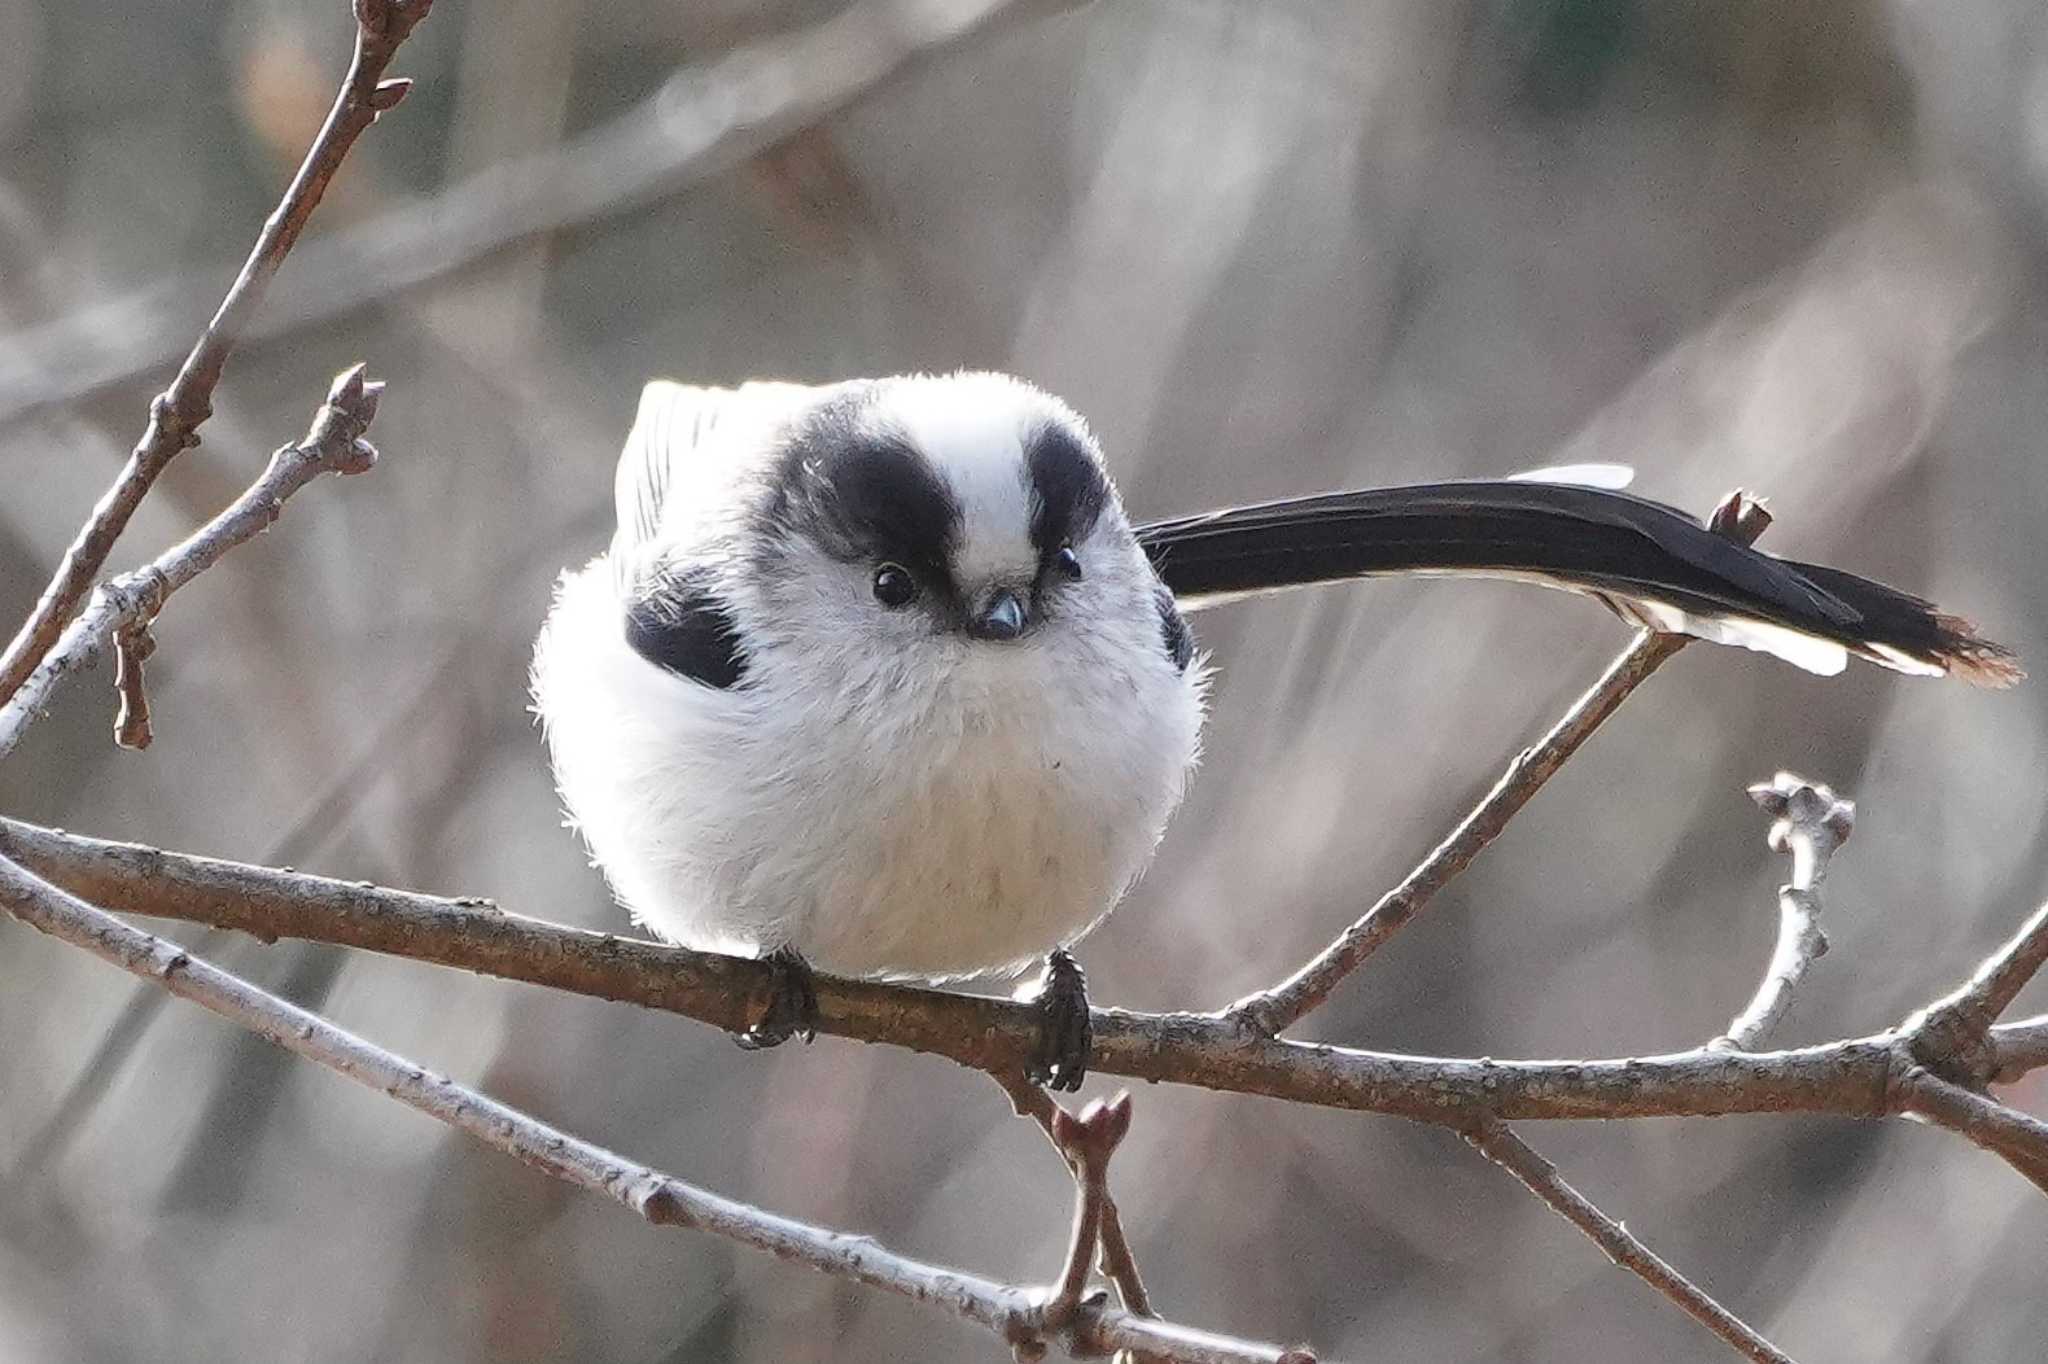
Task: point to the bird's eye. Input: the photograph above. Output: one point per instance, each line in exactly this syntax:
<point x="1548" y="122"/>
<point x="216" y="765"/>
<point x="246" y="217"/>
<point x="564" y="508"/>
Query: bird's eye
<point x="1067" y="562"/>
<point x="894" y="586"/>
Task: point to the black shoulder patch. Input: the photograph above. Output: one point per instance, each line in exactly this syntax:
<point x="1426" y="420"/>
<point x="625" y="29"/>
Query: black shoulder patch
<point x="690" y="633"/>
<point x="1173" y="631"/>
<point x="1068" y="489"/>
<point x="865" y="495"/>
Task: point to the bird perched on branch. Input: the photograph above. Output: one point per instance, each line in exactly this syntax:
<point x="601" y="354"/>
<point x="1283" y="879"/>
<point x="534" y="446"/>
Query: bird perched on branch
<point x="878" y="676"/>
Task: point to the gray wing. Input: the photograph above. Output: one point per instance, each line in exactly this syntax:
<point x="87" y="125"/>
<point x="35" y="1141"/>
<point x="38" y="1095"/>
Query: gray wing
<point x="685" y="456"/>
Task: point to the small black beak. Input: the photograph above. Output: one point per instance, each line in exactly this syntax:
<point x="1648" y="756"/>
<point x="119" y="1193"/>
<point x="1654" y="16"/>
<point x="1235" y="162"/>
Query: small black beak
<point x="1002" y="617"/>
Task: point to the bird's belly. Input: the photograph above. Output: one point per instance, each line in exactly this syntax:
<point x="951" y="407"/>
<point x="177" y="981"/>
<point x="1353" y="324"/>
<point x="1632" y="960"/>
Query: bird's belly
<point x="941" y="817"/>
<point x="982" y="850"/>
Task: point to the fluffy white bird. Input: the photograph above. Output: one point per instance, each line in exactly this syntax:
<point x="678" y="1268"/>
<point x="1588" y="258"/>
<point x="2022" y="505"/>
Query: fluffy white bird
<point x="878" y="676"/>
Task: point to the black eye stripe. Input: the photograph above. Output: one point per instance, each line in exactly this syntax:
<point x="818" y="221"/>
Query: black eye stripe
<point x="865" y="497"/>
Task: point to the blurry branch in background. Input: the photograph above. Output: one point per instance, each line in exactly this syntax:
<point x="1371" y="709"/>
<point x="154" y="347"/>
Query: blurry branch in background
<point x="1024" y="1317"/>
<point x="702" y="122"/>
<point x="121" y="611"/>
<point x="1272" y="1011"/>
<point x="1810" y="822"/>
<point x="177" y="413"/>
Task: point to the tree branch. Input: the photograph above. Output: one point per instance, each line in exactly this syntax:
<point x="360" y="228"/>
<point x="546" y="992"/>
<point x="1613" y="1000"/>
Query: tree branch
<point x="1810" y="822"/>
<point x="123" y="608"/>
<point x="1272" y="1011"/>
<point x="2019" y="1139"/>
<point x="1118" y="1264"/>
<point x="1017" y="1314"/>
<point x="178" y="412"/>
<point x="1851" y="1077"/>
<point x="704" y="121"/>
<point x="1540" y="1177"/>
<point x="1087" y="1140"/>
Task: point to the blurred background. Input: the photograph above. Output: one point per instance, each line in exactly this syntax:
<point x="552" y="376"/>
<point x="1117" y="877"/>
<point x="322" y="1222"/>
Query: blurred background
<point x="1268" y="249"/>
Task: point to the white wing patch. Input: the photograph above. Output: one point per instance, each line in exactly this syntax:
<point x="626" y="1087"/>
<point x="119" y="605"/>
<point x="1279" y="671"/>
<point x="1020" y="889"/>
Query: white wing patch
<point x="1822" y="656"/>
<point x="1613" y="477"/>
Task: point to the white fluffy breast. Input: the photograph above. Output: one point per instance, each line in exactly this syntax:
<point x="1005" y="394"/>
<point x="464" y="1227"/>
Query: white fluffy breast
<point x="937" y="808"/>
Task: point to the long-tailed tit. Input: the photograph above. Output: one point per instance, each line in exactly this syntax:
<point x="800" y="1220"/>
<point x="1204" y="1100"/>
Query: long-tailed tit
<point x="878" y="676"/>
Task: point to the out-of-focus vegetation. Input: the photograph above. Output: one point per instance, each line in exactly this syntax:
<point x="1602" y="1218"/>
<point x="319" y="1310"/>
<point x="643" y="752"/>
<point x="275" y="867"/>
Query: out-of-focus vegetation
<point x="1268" y="248"/>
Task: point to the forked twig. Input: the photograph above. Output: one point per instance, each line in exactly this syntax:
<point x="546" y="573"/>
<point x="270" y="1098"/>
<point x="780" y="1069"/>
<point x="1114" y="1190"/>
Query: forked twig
<point x="1117" y="1262"/>
<point x="126" y="606"/>
<point x="1953" y="1034"/>
<point x="2019" y="1139"/>
<point x="177" y="413"/>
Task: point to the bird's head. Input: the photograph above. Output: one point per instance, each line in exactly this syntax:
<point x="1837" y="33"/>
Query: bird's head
<point x="970" y="506"/>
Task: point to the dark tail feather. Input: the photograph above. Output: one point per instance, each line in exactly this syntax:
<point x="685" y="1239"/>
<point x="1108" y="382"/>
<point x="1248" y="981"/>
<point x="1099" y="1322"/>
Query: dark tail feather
<point x="1895" y="621"/>
<point x="1653" y="563"/>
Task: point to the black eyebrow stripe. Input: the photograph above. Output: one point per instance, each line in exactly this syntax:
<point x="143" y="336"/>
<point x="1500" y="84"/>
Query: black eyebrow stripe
<point x="1068" y="487"/>
<point x="860" y="494"/>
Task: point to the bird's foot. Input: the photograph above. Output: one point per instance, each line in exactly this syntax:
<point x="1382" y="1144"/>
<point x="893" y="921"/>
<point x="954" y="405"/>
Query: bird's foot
<point x="792" y="1003"/>
<point x="1060" y="1060"/>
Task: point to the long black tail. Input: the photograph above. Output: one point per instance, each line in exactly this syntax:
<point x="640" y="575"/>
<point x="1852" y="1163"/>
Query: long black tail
<point x="1652" y="563"/>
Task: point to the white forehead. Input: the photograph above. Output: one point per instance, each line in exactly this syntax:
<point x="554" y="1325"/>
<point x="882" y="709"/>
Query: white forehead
<point x="972" y="428"/>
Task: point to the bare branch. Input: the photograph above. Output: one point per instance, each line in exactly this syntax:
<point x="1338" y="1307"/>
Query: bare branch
<point x="1272" y="1011"/>
<point x="177" y="413"/>
<point x="133" y="644"/>
<point x="1953" y="1034"/>
<point x="1087" y="1140"/>
<point x="704" y="121"/>
<point x="1810" y="822"/>
<point x="2019" y="1139"/>
<point x="333" y="443"/>
<point x="1851" y="1077"/>
<point x="1117" y="1262"/>
<point x="1501" y="1146"/>
<point x="2018" y="1047"/>
<point x="1012" y="1312"/>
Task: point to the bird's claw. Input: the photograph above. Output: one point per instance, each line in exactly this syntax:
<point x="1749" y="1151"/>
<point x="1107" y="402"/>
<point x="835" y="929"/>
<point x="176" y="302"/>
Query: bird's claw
<point x="1065" y="1039"/>
<point x="792" y="1004"/>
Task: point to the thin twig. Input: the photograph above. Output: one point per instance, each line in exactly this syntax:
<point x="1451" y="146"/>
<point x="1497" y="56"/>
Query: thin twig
<point x="1087" y="1139"/>
<point x="1810" y="822"/>
<point x="1271" y="1011"/>
<point x="333" y="443"/>
<point x="704" y="121"/>
<point x="1851" y="1077"/>
<point x="2020" y="1139"/>
<point x="177" y="413"/>
<point x="1501" y="1146"/>
<point x="2018" y="1047"/>
<point x="1013" y="1312"/>
<point x="1119" y="1265"/>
